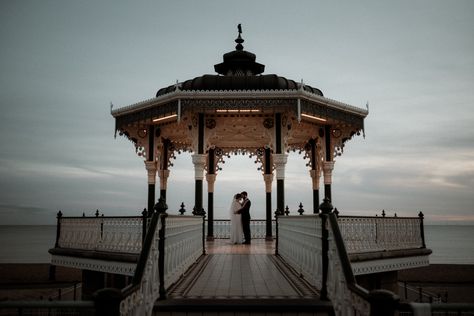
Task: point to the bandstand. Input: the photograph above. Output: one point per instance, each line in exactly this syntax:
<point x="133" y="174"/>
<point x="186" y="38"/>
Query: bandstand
<point x="239" y="110"/>
<point x="317" y="264"/>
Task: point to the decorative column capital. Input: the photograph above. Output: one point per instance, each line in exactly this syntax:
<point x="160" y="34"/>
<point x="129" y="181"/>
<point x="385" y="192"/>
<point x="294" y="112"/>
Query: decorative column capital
<point x="211" y="179"/>
<point x="268" y="178"/>
<point x="163" y="174"/>
<point x="328" y="166"/>
<point x="315" y="176"/>
<point x="280" y="161"/>
<point x="199" y="161"/>
<point x="151" y="169"/>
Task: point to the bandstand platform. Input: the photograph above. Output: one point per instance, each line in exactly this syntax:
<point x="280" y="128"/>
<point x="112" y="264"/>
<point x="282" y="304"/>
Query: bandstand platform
<point x="247" y="279"/>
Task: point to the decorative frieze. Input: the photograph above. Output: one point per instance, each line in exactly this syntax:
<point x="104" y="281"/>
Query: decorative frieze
<point x="389" y="264"/>
<point x="116" y="267"/>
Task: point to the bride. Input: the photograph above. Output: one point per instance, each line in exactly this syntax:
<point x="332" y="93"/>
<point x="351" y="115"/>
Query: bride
<point x="236" y="231"/>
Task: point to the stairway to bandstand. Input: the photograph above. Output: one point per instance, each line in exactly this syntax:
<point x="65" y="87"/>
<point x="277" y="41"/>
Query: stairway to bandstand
<point x="234" y="280"/>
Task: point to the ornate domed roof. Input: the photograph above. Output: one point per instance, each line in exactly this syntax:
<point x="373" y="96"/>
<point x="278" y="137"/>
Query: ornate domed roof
<point x="238" y="71"/>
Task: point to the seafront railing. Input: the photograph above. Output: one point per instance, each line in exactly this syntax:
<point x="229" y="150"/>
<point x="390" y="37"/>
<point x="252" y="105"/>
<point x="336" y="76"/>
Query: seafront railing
<point x="112" y="233"/>
<point x="369" y="234"/>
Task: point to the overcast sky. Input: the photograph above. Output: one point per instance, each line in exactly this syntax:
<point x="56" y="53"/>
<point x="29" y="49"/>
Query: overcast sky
<point x="63" y="62"/>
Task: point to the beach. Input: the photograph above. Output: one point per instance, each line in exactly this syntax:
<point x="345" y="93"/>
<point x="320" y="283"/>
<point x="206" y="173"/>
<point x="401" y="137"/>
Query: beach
<point x="31" y="281"/>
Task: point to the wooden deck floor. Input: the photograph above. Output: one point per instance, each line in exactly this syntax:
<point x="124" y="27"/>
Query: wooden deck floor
<point x="242" y="272"/>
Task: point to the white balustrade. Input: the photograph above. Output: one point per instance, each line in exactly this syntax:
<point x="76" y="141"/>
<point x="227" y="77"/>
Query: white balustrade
<point x="299" y="244"/>
<point x="114" y="234"/>
<point x="121" y="235"/>
<point x="79" y="233"/>
<point x="183" y="245"/>
<point x="345" y="301"/>
<point x="369" y="234"/>
<point x="141" y="301"/>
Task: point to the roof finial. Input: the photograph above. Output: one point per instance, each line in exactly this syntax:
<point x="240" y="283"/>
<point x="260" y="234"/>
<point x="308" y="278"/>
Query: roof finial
<point x="239" y="39"/>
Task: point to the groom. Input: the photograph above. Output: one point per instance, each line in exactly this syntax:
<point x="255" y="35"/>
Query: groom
<point x="245" y="212"/>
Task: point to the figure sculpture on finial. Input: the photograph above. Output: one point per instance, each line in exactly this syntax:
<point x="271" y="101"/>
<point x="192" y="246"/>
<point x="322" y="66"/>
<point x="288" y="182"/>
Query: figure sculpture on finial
<point x="239" y="28"/>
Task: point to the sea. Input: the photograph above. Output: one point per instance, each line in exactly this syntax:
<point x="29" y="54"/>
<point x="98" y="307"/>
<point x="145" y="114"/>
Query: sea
<point x="451" y="244"/>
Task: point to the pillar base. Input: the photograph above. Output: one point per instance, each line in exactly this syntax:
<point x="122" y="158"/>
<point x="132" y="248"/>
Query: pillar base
<point x="210" y="238"/>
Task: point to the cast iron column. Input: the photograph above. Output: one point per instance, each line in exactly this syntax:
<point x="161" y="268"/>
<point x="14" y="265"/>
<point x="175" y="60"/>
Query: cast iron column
<point x="315" y="174"/>
<point x="328" y="165"/>
<point x="199" y="161"/>
<point x="211" y="178"/>
<point x="150" y="165"/>
<point x="164" y="172"/>
<point x="279" y="159"/>
<point x="268" y="178"/>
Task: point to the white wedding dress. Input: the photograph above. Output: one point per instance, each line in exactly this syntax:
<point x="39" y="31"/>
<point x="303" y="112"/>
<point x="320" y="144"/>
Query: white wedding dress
<point x="236" y="231"/>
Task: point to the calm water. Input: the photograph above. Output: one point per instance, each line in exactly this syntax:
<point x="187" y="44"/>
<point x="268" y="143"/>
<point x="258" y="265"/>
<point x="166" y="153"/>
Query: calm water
<point x="30" y="244"/>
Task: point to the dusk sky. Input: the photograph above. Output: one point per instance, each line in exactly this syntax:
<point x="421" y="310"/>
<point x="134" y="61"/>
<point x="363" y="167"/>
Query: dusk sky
<point x="64" y="62"/>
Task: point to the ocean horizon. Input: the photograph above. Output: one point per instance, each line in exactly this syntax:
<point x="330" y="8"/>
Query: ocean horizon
<point x="451" y="244"/>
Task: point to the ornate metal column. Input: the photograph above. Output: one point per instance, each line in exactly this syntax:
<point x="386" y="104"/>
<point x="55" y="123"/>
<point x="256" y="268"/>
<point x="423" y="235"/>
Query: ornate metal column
<point x="150" y="165"/>
<point x="315" y="174"/>
<point x="199" y="161"/>
<point x="279" y="159"/>
<point x="268" y="178"/>
<point x="211" y="178"/>
<point x="328" y="164"/>
<point x="164" y="172"/>
<point x="280" y="163"/>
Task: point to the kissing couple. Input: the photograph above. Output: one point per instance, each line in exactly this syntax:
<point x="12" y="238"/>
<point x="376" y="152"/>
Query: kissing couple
<point x="240" y="219"/>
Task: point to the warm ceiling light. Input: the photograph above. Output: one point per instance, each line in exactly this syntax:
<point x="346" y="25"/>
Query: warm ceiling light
<point x="313" y="117"/>
<point x="238" y="111"/>
<point x="165" y="118"/>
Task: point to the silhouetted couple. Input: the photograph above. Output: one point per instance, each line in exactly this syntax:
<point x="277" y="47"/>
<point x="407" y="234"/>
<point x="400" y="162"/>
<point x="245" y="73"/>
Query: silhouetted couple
<point x="240" y="219"/>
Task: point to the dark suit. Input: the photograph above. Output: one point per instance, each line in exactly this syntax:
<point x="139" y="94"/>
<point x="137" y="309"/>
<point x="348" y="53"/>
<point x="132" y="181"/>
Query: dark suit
<point x="245" y="212"/>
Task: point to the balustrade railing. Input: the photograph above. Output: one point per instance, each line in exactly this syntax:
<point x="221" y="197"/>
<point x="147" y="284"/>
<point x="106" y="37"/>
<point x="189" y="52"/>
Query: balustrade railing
<point x="299" y="244"/>
<point x="172" y="244"/>
<point x="114" y="234"/>
<point x="183" y="245"/>
<point x="257" y="228"/>
<point x="369" y="234"/>
<point x="317" y="247"/>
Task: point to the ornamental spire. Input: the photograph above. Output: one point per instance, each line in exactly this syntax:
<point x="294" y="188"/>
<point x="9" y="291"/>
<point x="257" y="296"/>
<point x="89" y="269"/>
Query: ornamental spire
<point x="239" y="39"/>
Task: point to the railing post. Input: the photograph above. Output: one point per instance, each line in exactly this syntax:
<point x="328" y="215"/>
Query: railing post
<point x="383" y="302"/>
<point x="107" y="301"/>
<point x="326" y="208"/>
<point x="182" y="210"/>
<point x="161" y="208"/>
<point x="204" y="234"/>
<point x="58" y="228"/>
<point x="422" y="229"/>
<point x="144" y="225"/>
<point x="276" y="233"/>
